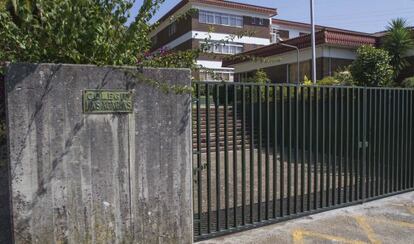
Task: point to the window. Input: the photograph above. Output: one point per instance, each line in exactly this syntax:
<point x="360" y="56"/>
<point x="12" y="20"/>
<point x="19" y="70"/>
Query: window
<point x="172" y="29"/>
<point x="283" y="34"/>
<point x="207" y="17"/>
<point x="221" y="48"/>
<point x="258" y="21"/>
<point x="215" y="75"/>
<point x="202" y="17"/>
<point x="303" y="34"/>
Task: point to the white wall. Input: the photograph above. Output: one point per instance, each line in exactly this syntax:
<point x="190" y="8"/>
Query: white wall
<point x="293" y="31"/>
<point x="202" y="35"/>
<point x="240" y="12"/>
<point x="290" y="57"/>
<point x="217" y="65"/>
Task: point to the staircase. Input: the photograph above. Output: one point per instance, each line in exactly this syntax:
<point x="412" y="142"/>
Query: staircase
<point x="231" y="134"/>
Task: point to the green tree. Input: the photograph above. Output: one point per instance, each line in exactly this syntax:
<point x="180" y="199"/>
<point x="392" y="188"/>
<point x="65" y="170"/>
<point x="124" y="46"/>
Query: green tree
<point x="398" y="41"/>
<point x="260" y="77"/>
<point x="75" y="31"/>
<point x="372" y="67"/>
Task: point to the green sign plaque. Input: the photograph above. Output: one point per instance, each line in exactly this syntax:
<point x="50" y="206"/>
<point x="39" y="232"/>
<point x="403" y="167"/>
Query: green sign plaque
<point x="107" y="101"/>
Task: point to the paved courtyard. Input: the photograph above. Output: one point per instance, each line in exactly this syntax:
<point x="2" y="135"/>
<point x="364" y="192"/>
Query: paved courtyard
<point x="389" y="220"/>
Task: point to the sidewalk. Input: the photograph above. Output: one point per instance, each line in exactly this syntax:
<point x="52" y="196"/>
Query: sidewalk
<point x="389" y="220"/>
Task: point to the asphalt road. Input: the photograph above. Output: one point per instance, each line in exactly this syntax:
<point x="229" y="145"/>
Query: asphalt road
<point x="389" y="220"/>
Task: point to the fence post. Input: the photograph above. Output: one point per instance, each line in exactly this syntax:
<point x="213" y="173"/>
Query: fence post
<point x="364" y="179"/>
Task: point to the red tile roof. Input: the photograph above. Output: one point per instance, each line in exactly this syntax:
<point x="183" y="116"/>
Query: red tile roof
<point x="332" y="37"/>
<point x="308" y="26"/>
<point x="222" y="3"/>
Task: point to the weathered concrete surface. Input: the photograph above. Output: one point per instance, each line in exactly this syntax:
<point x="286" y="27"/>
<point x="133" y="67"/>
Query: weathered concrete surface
<point x="112" y="178"/>
<point x="389" y="220"/>
<point x="5" y="227"/>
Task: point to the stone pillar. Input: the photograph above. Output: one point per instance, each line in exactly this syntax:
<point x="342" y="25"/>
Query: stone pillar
<point x="98" y="178"/>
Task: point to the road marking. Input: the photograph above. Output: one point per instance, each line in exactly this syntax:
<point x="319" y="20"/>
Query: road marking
<point x="394" y="222"/>
<point x="362" y="222"/>
<point x="299" y="236"/>
<point x="410" y="209"/>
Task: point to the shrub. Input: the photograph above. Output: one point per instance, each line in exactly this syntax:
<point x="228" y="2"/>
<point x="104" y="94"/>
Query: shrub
<point x="344" y="77"/>
<point x="306" y="81"/>
<point x="372" y="67"/>
<point x="260" y="76"/>
<point x="328" y="81"/>
<point x="408" y="82"/>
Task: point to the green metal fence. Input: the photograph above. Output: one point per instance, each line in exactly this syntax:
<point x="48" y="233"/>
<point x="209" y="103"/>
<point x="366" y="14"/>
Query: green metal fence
<point x="268" y="153"/>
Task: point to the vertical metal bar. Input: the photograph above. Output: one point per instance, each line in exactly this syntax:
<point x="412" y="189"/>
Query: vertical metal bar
<point x="226" y="156"/>
<point x="378" y="140"/>
<point x="267" y="169"/>
<point x="296" y="150"/>
<point x="322" y="173"/>
<point x="411" y="136"/>
<point x="199" y="162"/>
<point x="406" y="129"/>
<point x="334" y="144"/>
<point x="364" y="147"/>
<point x="282" y="150"/>
<point x="243" y="155"/>
<point x="397" y="139"/>
<point x="389" y="138"/>
<point x="368" y="127"/>
<point x="405" y="143"/>
<point x="315" y="165"/>
<point x="289" y="157"/>
<point x="347" y="144"/>
<point x="386" y="139"/>
<point x="252" y="136"/>
<point x="352" y="144"/>
<point x="410" y="139"/>
<point x="409" y="125"/>
<point x="396" y="148"/>
<point x="381" y="140"/>
<point x="375" y="172"/>
<point x="275" y="135"/>
<point x="359" y="144"/>
<point x="341" y="145"/>
<point x="329" y="147"/>
<point x="309" y="165"/>
<point x="235" y="168"/>
<point x="394" y="139"/>
<point x="259" y="154"/>
<point x="303" y="160"/>
<point x="401" y="143"/>
<point x="208" y="158"/>
<point x="407" y="139"/>
<point x="361" y="161"/>
<point x="402" y="160"/>
<point x="218" y="169"/>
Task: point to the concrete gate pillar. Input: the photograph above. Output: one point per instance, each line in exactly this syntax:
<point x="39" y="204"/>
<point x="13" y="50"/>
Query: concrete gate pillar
<point x="112" y="177"/>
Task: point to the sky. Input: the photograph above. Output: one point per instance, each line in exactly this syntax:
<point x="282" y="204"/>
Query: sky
<point x="359" y="15"/>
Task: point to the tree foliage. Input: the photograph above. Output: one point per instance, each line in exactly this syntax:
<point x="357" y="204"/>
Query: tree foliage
<point x="75" y="31"/>
<point x="408" y="82"/>
<point x="398" y="42"/>
<point x="372" y="67"/>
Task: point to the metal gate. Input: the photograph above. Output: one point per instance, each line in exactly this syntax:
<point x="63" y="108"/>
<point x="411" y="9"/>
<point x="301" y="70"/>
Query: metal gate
<point x="265" y="153"/>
